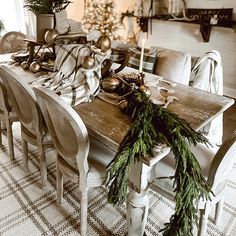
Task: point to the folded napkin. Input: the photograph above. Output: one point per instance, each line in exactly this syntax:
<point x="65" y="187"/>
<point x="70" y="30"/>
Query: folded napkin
<point x="111" y="98"/>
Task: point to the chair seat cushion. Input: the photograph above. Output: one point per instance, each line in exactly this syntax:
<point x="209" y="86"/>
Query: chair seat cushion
<point x="98" y="159"/>
<point x="32" y="139"/>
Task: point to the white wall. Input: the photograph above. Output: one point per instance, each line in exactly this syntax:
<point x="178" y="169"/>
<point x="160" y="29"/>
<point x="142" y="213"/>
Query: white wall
<point x="75" y="10"/>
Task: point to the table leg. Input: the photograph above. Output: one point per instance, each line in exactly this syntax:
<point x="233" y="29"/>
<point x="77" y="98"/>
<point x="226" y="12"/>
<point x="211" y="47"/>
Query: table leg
<point x="140" y="177"/>
<point x="137" y="213"/>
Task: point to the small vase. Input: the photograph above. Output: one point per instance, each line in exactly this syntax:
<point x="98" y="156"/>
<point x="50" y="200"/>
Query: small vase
<point x="44" y="22"/>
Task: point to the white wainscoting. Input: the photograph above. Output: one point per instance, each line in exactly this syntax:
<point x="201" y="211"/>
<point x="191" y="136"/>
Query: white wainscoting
<point x="187" y="37"/>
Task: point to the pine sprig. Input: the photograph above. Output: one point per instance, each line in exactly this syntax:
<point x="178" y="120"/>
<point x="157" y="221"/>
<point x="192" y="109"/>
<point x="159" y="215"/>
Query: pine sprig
<point x="152" y="125"/>
<point x="137" y="143"/>
<point x="46" y="6"/>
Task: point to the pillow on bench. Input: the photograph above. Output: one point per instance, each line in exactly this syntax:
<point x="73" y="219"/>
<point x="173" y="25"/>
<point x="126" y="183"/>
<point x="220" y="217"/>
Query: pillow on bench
<point x="172" y="65"/>
<point x="149" y="59"/>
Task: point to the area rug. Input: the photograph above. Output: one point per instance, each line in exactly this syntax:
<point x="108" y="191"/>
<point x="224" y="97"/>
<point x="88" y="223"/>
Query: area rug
<point x="26" y="209"/>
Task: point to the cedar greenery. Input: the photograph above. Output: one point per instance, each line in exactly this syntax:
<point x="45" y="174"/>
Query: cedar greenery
<point x="46" y="6"/>
<point x="152" y="124"/>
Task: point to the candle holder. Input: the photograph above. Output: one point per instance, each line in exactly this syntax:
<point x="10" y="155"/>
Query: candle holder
<point x="141" y="76"/>
<point x="143" y="88"/>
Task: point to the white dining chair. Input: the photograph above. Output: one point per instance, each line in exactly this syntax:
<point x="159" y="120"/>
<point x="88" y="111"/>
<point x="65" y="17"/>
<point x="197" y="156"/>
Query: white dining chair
<point x="79" y="157"/>
<point x="207" y="75"/>
<point x="216" y="167"/>
<point x="13" y="41"/>
<point x="33" y="128"/>
<point x="7" y="117"/>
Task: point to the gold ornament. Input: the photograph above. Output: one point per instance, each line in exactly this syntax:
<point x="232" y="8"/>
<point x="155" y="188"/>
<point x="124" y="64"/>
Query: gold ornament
<point x="145" y="89"/>
<point x="25" y="65"/>
<point x="123" y="104"/>
<point x="50" y="36"/>
<point x="104" y="43"/>
<point x="35" y="67"/>
<point x="109" y="84"/>
<point x="88" y="62"/>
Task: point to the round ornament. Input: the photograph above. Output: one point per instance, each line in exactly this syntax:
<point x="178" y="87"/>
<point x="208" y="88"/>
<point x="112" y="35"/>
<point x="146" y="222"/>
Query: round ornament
<point x="123" y="104"/>
<point x="88" y="62"/>
<point x="25" y="65"/>
<point x="50" y="36"/>
<point x="109" y="84"/>
<point x="104" y="43"/>
<point x="145" y="89"/>
<point x="35" y="67"/>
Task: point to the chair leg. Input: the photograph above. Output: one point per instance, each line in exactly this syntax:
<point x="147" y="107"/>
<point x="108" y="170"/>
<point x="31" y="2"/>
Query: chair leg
<point x="219" y="209"/>
<point x="25" y="154"/>
<point x="43" y="166"/>
<point x="59" y="186"/>
<point x="0" y="132"/>
<point x="204" y="213"/>
<point x="3" y="126"/>
<point x="10" y="139"/>
<point x="83" y="211"/>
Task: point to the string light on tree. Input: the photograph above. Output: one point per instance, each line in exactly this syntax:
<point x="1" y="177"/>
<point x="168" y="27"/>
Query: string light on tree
<point x="100" y="15"/>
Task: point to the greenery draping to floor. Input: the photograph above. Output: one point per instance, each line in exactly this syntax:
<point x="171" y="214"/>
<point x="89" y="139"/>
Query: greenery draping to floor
<point x="152" y="125"/>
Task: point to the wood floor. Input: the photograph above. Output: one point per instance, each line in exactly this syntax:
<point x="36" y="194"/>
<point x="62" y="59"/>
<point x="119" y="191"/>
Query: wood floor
<point x="229" y="121"/>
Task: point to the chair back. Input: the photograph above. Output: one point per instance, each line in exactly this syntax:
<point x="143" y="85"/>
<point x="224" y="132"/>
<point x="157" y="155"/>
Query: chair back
<point x="13" y="41"/>
<point x="207" y="75"/>
<point x="24" y="102"/>
<point x="67" y="129"/>
<point x="222" y="165"/>
<point x="4" y="105"/>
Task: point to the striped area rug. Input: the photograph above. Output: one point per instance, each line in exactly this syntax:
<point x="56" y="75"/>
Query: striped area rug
<point x="26" y="209"/>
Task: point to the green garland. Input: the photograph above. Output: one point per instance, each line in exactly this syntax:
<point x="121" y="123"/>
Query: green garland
<point x="152" y="124"/>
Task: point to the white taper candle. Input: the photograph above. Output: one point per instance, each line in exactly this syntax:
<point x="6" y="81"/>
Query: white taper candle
<point x="141" y="57"/>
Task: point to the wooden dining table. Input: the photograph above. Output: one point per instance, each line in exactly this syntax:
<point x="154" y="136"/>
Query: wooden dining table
<point x="109" y="125"/>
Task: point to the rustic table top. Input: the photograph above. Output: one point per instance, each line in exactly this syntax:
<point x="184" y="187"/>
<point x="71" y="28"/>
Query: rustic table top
<point x="107" y="123"/>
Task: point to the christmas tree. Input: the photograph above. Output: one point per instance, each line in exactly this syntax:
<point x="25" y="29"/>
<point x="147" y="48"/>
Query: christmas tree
<point x="100" y="15"/>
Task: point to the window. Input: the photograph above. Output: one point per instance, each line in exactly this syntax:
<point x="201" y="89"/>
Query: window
<point x="12" y="15"/>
